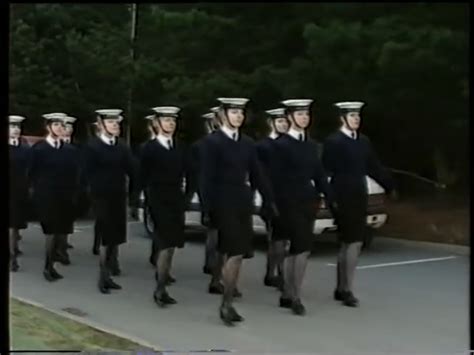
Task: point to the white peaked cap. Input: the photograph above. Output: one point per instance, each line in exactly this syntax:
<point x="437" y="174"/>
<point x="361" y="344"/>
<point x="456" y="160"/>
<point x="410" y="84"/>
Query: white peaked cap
<point x="55" y="116"/>
<point x="276" y="112"/>
<point x="166" y="110"/>
<point x="300" y="103"/>
<point x="70" y="119"/>
<point x="110" y="114"/>
<point x="350" y="105"/>
<point x="16" y="119"/>
<point x="233" y="101"/>
<point x="215" y="109"/>
<point x="209" y="116"/>
<point x="150" y="117"/>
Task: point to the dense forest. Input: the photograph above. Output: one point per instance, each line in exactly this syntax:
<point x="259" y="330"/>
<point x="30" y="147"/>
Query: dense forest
<point x="408" y="62"/>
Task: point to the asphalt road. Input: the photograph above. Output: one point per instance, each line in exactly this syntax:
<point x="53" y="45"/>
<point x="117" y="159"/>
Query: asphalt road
<point x="419" y="306"/>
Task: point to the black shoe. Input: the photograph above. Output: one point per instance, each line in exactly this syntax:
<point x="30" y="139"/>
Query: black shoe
<point x="285" y="302"/>
<point x="237" y="293"/>
<point x="116" y="271"/>
<point x="70" y="246"/>
<point x="350" y="300"/>
<point x="14" y="265"/>
<point x="167" y="299"/>
<point x="235" y="316"/>
<point x="216" y="288"/>
<point x="63" y="259"/>
<point x="207" y="270"/>
<point x="157" y="299"/>
<point x="339" y="295"/>
<point x="298" y="308"/>
<point x="48" y="276"/>
<point x="103" y="287"/>
<point x="226" y="316"/>
<point x="170" y="280"/>
<point x="112" y="285"/>
<point x="18" y="252"/>
<point x="55" y="274"/>
<point x="271" y="281"/>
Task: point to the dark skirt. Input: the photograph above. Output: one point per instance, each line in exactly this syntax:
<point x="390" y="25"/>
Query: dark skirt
<point x="295" y="223"/>
<point x="168" y="214"/>
<point x="235" y="232"/>
<point x="351" y="218"/>
<point x="111" y="218"/>
<point x="18" y="209"/>
<point x="55" y="211"/>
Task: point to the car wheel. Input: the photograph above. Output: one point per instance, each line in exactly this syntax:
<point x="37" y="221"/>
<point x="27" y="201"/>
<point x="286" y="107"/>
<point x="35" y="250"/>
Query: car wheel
<point x="148" y="222"/>
<point x="369" y="238"/>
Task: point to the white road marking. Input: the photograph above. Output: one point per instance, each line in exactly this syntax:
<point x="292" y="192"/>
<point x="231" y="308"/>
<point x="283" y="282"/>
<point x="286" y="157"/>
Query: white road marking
<point x="402" y="262"/>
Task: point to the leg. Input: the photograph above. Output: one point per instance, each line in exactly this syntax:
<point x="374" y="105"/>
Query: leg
<point x="50" y="272"/>
<point x="301" y="261"/>
<point x="341" y="267"/>
<point x="170" y="279"/>
<point x="16" y="233"/>
<point x="279" y="259"/>
<point x="270" y="279"/>
<point x="163" y="265"/>
<point x="96" y="245"/>
<point x="216" y="287"/>
<point x="230" y="276"/>
<point x="114" y="263"/>
<point x="104" y="275"/>
<point x="352" y="256"/>
<point x="288" y="288"/>
<point x="154" y="252"/>
<point x="210" y="258"/>
<point x="61" y="249"/>
<point x="13" y="255"/>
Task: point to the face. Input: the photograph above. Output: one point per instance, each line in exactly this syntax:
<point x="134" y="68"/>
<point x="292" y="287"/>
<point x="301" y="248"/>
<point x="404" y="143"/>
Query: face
<point x="168" y="125"/>
<point x="301" y="118"/>
<point x="56" y="129"/>
<point x="68" y="130"/>
<point x="14" y="131"/>
<point x="236" y="117"/>
<point x="281" y="125"/>
<point x="112" y="126"/>
<point x="352" y="121"/>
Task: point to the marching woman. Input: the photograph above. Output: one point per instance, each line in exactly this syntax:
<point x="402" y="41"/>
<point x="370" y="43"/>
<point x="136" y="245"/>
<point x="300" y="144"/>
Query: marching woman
<point x="229" y="173"/>
<point x="164" y="165"/>
<point x="349" y="157"/>
<point x="19" y="196"/>
<point x="108" y="163"/>
<point x="299" y="180"/>
<point x="54" y="173"/>
<point x="278" y="125"/>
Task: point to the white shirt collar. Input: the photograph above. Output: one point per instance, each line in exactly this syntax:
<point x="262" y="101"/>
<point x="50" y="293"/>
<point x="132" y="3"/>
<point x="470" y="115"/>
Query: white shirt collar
<point x="107" y="140"/>
<point x="14" y="141"/>
<point x="295" y="134"/>
<point x="164" y="141"/>
<point x="52" y="142"/>
<point x="273" y="135"/>
<point x="229" y="132"/>
<point x="348" y="132"/>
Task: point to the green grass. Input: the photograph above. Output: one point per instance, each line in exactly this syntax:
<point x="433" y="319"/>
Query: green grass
<point x="34" y="328"/>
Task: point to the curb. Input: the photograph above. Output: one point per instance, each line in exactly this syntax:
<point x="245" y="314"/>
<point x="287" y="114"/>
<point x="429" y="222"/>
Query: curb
<point x="91" y="324"/>
<point x="452" y="248"/>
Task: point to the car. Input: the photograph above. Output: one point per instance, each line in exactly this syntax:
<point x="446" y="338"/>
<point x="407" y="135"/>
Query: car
<point x="376" y="214"/>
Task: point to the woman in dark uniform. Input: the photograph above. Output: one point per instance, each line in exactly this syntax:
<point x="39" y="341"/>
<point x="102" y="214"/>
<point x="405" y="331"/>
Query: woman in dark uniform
<point x="299" y="179"/>
<point x="18" y="164"/>
<point x="278" y="124"/>
<point x="54" y="173"/>
<point x="163" y="166"/>
<point x="96" y="132"/>
<point x="108" y="163"/>
<point x="229" y="172"/>
<point x="348" y="157"/>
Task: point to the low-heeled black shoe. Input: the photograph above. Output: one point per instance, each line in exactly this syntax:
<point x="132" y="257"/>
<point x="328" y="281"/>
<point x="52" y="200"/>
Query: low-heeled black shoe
<point x="170" y="280"/>
<point x="112" y="285"/>
<point x="206" y="270"/>
<point x="339" y="295"/>
<point x="285" y="302"/>
<point x="55" y="274"/>
<point x="226" y="316"/>
<point x="216" y="288"/>
<point x="237" y="293"/>
<point x="298" y="308"/>
<point x="103" y="287"/>
<point x="350" y="300"/>
<point x="235" y="316"/>
<point x="167" y="299"/>
<point x="270" y="281"/>
<point x="48" y="276"/>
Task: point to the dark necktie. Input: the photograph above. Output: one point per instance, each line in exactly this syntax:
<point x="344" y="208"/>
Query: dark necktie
<point x="234" y="136"/>
<point x="353" y="135"/>
<point x="170" y="144"/>
<point x="56" y="144"/>
<point x="112" y="142"/>
<point x="300" y="137"/>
